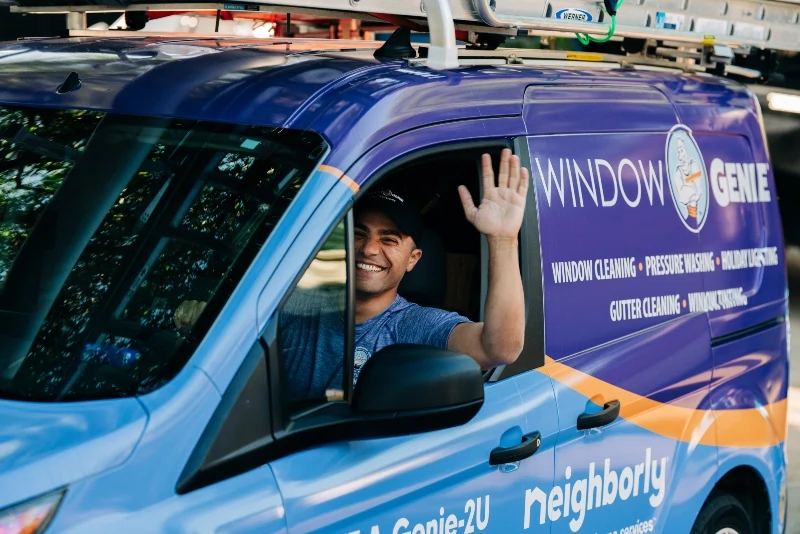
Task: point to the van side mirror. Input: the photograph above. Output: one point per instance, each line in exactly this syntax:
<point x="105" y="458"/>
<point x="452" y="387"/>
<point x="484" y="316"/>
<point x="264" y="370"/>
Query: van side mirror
<point x="415" y="388"/>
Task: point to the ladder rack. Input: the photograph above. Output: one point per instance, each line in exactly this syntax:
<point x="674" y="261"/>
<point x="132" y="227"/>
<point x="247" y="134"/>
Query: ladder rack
<point x="708" y="25"/>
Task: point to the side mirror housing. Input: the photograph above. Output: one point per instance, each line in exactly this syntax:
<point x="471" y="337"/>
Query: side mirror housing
<point x="414" y="388"/>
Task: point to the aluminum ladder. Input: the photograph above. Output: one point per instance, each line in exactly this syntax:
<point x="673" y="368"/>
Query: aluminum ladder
<point x="738" y="24"/>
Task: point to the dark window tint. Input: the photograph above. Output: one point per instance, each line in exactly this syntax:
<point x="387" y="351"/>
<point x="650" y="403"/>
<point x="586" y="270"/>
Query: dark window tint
<point x="121" y="239"/>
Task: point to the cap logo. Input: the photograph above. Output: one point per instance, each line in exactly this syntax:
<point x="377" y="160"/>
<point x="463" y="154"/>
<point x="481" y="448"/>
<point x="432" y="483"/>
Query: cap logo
<point x="388" y="195"/>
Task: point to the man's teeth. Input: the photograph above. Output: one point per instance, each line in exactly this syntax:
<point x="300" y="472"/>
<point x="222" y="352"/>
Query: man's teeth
<point x="366" y="267"/>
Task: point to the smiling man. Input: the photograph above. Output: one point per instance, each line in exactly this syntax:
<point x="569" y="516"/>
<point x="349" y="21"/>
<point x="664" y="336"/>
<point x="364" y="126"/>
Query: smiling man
<point x="387" y="231"/>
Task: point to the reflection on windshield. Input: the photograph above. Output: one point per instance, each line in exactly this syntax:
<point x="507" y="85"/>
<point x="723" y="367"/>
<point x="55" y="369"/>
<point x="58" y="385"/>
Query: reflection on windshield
<point x="109" y="224"/>
<point x="29" y="180"/>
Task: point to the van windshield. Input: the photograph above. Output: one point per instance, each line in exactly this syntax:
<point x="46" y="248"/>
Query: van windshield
<point x="121" y="239"/>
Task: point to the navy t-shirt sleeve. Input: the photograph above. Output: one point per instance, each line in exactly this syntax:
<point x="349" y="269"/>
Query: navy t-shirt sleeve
<point x="312" y="341"/>
<point x="428" y="326"/>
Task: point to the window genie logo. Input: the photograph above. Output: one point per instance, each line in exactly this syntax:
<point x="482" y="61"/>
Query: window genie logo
<point x="600" y="488"/>
<point x="623" y="180"/>
<point x="739" y="182"/>
<point x="688" y="179"/>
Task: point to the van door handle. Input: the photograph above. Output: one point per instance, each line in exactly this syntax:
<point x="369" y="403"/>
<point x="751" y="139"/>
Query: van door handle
<point x="506" y="455"/>
<point x="602" y="418"/>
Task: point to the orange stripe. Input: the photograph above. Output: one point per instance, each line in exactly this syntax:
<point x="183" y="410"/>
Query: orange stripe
<point x="346" y="180"/>
<point x="693" y="177"/>
<point x="746" y="428"/>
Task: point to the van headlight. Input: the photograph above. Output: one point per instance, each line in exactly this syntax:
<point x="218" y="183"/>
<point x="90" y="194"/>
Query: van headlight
<point x="30" y="517"/>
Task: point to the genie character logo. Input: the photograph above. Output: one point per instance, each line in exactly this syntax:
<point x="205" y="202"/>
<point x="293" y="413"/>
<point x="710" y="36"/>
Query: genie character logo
<point x="688" y="178"/>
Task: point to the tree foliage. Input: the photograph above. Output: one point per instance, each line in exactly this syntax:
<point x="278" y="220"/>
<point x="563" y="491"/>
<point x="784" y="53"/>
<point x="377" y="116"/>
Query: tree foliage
<point x="176" y="232"/>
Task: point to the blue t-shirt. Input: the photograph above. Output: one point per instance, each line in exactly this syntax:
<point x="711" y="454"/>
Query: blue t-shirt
<point x="312" y="337"/>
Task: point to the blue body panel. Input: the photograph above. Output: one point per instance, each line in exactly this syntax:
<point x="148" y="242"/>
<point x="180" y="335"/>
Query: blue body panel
<point x="684" y="385"/>
<point x="80" y="439"/>
<point x="399" y="483"/>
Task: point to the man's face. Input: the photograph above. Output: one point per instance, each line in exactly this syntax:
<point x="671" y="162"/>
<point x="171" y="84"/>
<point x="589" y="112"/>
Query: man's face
<point x="383" y="253"/>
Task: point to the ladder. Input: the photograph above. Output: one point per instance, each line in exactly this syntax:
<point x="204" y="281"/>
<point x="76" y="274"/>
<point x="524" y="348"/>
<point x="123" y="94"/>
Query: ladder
<point x="710" y="25"/>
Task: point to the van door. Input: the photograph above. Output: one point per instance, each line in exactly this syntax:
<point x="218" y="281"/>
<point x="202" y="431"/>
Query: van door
<point x="620" y="254"/>
<point x="440" y="482"/>
<point x="746" y="296"/>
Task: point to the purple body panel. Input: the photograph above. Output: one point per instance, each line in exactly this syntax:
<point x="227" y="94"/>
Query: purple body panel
<point x="755" y="223"/>
<point x="669" y="363"/>
<point x="594" y="233"/>
<point x="752" y="371"/>
<point x="623" y="252"/>
<point x="378" y="108"/>
<point x="250" y="85"/>
<point x="620" y="108"/>
<point x="442" y="134"/>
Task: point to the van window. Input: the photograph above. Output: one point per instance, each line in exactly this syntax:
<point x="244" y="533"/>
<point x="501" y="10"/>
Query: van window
<point x="453" y="272"/>
<point x="313" y="326"/>
<point x="121" y="239"/>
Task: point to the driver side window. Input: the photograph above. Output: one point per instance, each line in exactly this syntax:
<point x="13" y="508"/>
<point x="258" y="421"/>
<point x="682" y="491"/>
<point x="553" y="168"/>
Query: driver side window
<point x="313" y="327"/>
<point x="442" y="288"/>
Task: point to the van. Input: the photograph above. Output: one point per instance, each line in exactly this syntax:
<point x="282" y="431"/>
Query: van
<point x="162" y="203"/>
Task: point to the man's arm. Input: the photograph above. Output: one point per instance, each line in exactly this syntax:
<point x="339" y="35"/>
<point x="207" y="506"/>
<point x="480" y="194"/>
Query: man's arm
<point x="500" y="338"/>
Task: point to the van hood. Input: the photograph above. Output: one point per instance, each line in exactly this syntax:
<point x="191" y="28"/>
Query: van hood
<point x="48" y="446"/>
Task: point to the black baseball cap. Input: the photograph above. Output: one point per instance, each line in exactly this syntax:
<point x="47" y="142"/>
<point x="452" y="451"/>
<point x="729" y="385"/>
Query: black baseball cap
<point x="402" y="211"/>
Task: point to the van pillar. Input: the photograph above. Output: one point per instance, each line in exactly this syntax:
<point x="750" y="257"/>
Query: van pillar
<point x="76" y="20"/>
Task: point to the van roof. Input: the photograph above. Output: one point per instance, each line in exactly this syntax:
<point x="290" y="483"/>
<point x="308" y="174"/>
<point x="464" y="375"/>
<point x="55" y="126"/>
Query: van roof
<point x="260" y="82"/>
